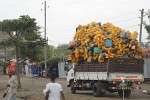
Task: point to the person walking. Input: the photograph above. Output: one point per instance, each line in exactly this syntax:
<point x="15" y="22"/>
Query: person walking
<point x="53" y="90"/>
<point x="11" y="87"/>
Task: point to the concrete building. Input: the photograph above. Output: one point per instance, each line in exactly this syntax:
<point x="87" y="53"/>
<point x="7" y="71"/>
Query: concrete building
<point x="5" y="52"/>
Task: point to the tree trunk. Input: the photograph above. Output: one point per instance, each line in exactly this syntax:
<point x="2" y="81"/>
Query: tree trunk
<point x="18" y="68"/>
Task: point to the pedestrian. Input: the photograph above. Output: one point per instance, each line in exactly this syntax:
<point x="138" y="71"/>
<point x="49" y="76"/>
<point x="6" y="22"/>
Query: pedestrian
<point x="53" y="90"/>
<point x="11" y="87"/>
<point x="34" y="70"/>
<point x="28" y="68"/>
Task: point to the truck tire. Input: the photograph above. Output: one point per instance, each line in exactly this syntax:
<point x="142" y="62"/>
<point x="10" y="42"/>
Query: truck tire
<point x="103" y="89"/>
<point x="126" y="93"/>
<point x="73" y="90"/>
<point x="97" y="90"/>
<point x="70" y="83"/>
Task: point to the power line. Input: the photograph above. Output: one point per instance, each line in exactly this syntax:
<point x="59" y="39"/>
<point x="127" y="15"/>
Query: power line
<point x="57" y="42"/>
<point x="125" y="20"/>
<point x="120" y="15"/>
<point x="128" y="27"/>
<point x="61" y="36"/>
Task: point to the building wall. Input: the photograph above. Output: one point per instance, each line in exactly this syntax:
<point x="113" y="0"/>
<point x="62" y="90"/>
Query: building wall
<point x="61" y="70"/>
<point x="5" y="51"/>
<point x="147" y="62"/>
<point x="147" y="68"/>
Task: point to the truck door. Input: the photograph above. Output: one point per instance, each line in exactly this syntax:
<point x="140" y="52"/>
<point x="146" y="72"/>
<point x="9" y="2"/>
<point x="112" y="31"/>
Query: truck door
<point x="69" y="72"/>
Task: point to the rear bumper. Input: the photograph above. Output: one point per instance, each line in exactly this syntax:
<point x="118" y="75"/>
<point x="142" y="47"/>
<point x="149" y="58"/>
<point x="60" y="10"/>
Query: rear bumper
<point x="125" y="88"/>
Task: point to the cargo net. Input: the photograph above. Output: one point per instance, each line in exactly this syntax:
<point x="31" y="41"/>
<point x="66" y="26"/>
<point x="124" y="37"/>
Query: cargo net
<point x="96" y="43"/>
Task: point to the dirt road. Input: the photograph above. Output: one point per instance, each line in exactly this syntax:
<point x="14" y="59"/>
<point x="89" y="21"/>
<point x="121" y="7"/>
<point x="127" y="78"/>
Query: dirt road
<point x="32" y="90"/>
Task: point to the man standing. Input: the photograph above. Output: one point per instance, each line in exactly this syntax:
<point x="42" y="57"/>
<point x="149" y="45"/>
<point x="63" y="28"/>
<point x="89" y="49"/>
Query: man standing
<point x="12" y="87"/>
<point x="28" y="68"/>
<point x="53" y="90"/>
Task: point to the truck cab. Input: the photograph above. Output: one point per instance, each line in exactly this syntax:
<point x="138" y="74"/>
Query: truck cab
<point x="69" y="68"/>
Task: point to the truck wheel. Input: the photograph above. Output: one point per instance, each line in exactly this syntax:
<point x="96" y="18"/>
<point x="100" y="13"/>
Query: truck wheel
<point x="126" y="93"/>
<point x="96" y="90"/>
<point x="70" y="83"/>
<point x="103" y="89"/>
<point x="73" y="90"/>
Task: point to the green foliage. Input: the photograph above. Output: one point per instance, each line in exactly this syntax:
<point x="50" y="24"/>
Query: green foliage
<point x="26" y="38"/>
<point x="51" y="53"/>
<point x="31" y="50"/>
<point x="147" y="27"/>
<point x="11" y="41"/>
<point x="50" y="61"/>
<point x="62" y="51"/>
<point x="56" y="54"/>
<point x="4" y="63"/>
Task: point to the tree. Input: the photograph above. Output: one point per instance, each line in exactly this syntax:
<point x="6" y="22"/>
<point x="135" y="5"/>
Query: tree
<point x="51" y="51"/>
<point x="24" y="37"/>
<point x="56" y="55"/>
<point x="147" y="27"/>
<point x="62" y="51"/>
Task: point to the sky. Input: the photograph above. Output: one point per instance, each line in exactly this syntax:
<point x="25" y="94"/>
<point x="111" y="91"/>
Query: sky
<point x="63" y="16"/>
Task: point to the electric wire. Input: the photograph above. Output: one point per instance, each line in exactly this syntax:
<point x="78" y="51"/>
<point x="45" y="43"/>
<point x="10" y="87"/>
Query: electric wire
<point x="125" y="20"/>
<point x="128" y="13"/>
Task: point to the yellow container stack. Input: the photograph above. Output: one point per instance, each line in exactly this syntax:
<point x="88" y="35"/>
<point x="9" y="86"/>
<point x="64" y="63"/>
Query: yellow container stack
<point x="96" y="42"/>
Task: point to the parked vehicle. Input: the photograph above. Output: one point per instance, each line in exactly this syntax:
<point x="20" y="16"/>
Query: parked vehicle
<point x="114" y="75"/>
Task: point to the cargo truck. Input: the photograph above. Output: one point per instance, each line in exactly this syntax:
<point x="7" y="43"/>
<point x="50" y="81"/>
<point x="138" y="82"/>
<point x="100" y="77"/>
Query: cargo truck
<point x="114" y="75"/>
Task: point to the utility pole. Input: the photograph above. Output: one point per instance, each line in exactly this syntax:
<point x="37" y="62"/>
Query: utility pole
<point x="45" y="55"/>
<point x="140" y="36"/>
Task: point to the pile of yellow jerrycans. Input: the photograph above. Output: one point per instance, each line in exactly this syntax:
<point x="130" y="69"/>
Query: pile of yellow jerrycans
<point x="96" y="43"/>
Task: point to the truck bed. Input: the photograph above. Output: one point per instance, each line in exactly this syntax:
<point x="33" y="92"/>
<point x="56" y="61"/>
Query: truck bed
<point x="125" y="65"/>
<point x="112" y="70"/>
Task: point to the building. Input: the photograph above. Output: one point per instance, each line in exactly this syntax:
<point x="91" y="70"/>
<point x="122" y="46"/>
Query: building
<point x="146" y="49"/>
<point x="5" y="52"/>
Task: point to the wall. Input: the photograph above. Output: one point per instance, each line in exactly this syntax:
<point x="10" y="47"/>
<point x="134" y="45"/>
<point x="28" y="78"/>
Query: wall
<point x="61" y="70"/>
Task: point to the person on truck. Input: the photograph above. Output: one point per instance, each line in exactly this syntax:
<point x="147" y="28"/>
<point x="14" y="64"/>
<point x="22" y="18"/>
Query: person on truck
<point x="53" y="90"/>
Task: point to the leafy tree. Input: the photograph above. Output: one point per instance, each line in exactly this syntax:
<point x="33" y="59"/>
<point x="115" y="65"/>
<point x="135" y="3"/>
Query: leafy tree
<point x="51" y="51"/>
<point x="56" y="55"/>
<point x="5" y="63"/>
<point x="61" y="51"/>
<point x="24" y="37"/>
<point x="147" y="27"/>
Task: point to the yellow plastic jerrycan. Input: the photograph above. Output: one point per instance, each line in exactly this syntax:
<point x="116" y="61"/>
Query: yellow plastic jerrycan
<point x="72" y="42"/>
<point x="134" y="35"/>
<point x="81" y="50"/>
<point x="95" y="57"/>
<point x="85" y="54"/>
<point x="89" y="59"/>
<point x="100" y="58"/>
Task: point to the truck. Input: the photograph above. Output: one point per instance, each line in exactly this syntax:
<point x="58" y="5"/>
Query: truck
<point x="120" y="75"/>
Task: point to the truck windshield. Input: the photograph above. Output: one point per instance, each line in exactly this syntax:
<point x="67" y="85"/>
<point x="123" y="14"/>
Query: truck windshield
<point x="69" y="66"/>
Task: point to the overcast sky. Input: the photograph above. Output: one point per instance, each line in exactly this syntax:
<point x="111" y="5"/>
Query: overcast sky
<point x="63" y="16"/>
